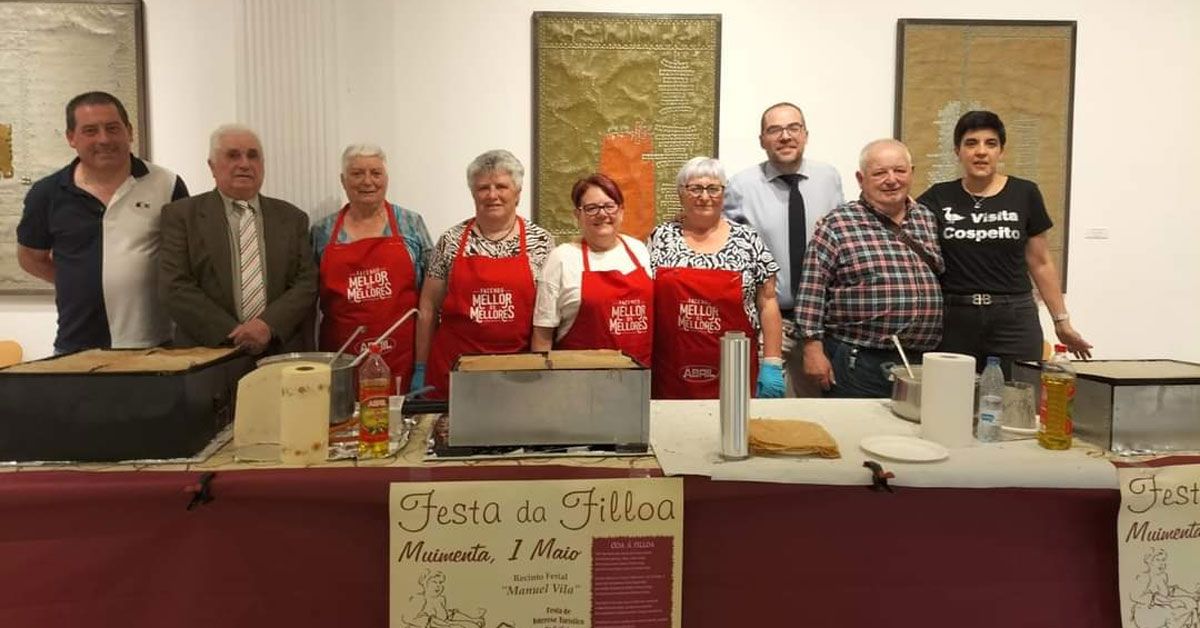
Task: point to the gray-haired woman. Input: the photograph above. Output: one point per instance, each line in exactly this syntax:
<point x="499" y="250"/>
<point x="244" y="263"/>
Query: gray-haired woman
<point x="479" y="295"/>
<point x="371" y="257"/>
<point x="710" y="276"/>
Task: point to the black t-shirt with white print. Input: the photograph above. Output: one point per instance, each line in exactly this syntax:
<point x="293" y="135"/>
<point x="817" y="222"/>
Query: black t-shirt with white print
<point x="984" y="247"/>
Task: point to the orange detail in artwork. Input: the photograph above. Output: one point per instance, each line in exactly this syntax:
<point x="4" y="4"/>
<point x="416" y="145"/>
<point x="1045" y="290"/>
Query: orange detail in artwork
<point x="621" y="159"/>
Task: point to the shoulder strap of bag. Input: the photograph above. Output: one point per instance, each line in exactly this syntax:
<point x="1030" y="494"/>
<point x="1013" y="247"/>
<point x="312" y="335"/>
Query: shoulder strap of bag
<point x="906" y="239"/>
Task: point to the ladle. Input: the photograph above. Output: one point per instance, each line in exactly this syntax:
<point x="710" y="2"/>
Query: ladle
<point x="907" y="366"/>
<point x="358" y="330"/>
<point x="383" y="337"/>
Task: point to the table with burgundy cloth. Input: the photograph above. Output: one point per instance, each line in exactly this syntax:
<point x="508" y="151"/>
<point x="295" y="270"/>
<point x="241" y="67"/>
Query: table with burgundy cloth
<point x="117" y="546"/>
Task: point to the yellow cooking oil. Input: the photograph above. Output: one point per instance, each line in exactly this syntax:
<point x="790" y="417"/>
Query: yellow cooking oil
<point x="374" y="387"/>
<point x="1058" y="399"/>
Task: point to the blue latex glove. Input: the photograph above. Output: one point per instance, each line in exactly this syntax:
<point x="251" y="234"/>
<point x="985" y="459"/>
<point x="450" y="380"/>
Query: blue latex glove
<point x="770" y="382"/>
<point x="418" y="377"/>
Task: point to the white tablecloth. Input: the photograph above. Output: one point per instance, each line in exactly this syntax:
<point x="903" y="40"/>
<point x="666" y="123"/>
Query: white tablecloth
<point x="686" y="439"/>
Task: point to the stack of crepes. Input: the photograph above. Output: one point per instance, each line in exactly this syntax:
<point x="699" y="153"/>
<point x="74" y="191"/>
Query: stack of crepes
<point x="788" y="437"/>
<point x="154" y="360"/>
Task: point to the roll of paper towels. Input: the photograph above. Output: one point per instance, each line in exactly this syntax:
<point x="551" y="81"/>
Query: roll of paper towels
<point x="256" y="417"/>
<point x="304" y="414"/>
<point x="278" y="410"/>
<point x="947" y="398"/>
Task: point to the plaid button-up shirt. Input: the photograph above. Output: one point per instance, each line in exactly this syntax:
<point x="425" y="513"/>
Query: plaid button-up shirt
<point x="861" y="284"/>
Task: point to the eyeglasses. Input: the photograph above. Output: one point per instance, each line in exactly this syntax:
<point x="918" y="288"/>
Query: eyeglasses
<point x="592" y="209"/>
<point x="794" y="128"/>
<point x="699" y="190"/>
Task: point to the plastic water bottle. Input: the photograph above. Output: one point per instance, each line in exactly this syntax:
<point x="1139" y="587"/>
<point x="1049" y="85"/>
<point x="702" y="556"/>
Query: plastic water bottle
<point x="1056" y="408"/>
<point x="991" y="401"/>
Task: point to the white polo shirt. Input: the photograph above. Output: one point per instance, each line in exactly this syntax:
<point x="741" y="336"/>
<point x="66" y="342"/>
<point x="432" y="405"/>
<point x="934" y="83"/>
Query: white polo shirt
<point x="131" y="234"/>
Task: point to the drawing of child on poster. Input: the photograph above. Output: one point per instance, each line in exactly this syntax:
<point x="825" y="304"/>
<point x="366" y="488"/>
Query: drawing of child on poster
<point x="1157" y="603"/>
<point x="432" y="610"/>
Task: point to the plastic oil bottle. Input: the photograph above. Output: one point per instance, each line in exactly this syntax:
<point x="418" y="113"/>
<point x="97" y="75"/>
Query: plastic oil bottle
<point x="374" y="387"/>
<point x="991" y="402"/>
<point x="1057" y="401"/>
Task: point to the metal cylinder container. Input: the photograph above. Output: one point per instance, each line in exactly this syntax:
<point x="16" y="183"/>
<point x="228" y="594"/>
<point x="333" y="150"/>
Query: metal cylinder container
<point x="735" y="395"/>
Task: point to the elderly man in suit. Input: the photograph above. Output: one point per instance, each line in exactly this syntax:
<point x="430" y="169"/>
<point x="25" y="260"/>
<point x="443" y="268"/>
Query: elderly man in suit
<point x="236" y="267"/>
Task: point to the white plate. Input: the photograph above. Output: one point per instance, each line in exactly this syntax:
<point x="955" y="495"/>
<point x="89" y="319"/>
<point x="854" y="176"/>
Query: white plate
<point x="904" y="448"/>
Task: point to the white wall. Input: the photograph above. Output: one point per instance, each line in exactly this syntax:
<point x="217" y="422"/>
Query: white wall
<point x="190" y="68"/>
<point x="437" y="83"/>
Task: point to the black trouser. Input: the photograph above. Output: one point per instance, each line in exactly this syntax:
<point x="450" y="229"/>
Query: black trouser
<point x="862" y="372"/>
<point x="1003" y="325"/>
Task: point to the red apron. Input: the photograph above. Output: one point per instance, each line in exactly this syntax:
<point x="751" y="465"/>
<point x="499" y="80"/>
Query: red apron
<point x="616" y="311"/>
<point x="488" y="309"/>
<point x="369" y="282"/>
<point x="695" y="307"/>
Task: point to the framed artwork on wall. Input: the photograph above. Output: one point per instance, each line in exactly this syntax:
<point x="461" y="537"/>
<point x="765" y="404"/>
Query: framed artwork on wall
<point x="633" y="96"/>
<point x="1022" y="70"/>
<point x="50" y="52"/>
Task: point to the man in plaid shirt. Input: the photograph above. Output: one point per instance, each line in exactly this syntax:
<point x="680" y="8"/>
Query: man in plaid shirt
<point x="870" y="272"/>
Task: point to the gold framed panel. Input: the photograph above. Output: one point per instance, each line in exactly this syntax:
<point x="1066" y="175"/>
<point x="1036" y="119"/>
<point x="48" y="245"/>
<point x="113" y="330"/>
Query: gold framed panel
<point x="51" y="51"/>
<point x="633" y="96"/>
<point x="1022" y="70"/>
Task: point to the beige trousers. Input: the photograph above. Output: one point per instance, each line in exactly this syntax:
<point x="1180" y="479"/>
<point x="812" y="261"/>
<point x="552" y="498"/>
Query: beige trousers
<point x="795" y="383"/>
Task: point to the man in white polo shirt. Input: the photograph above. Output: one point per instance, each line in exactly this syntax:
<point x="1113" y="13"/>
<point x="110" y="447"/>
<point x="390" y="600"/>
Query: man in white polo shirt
<point x="92" y="230"/>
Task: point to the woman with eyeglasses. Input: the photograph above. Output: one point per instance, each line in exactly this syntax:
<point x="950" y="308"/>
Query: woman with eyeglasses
<point x="711" y="276"/>
<point x="596" y="293"/>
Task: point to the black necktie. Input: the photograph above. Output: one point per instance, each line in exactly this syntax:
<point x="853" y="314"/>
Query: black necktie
<point x="797" y="234"/>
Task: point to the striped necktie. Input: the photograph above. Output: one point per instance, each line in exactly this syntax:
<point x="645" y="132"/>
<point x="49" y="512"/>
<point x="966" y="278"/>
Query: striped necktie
<point x="254" y="299"/>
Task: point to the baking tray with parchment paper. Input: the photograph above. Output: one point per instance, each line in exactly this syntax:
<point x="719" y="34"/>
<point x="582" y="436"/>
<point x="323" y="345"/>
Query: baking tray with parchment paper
<point x="112" y="405"/>
<point x="1132" y="406"/>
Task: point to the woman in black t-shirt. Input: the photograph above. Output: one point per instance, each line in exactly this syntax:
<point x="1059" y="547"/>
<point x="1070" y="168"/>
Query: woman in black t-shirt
<point x="992" y="230"/>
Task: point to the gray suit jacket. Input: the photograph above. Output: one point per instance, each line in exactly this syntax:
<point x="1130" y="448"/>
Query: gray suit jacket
<point x="196" y="275"/>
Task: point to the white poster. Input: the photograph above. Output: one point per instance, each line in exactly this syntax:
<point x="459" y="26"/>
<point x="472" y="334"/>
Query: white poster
<point x="580" y="553"/>
<point x="1158" y="537"/>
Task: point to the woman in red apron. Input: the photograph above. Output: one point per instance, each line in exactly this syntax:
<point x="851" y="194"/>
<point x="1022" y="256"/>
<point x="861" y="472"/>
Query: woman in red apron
<point x="607" y="307"/>
<point x="370" y="279"/>
<point x="707" y="273"/>
<point x="484" y="291"/>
